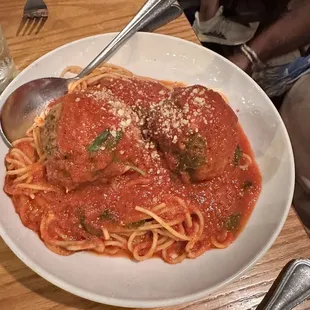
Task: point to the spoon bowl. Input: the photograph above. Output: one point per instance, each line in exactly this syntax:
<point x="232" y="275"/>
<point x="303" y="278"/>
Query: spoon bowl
<point x="28" y="101"/>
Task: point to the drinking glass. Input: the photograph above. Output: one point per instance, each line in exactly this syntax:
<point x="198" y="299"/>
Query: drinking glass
<point x="7" y="66"/>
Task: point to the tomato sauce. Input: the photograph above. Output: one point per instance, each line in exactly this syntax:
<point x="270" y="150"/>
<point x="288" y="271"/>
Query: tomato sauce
<point x="139" y="174"/>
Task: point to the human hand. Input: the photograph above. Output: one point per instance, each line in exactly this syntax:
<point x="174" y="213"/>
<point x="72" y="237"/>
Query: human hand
<point x="242" y="62"/>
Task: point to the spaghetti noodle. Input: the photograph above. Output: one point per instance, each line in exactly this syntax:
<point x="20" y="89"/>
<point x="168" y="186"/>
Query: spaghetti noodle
<point x="129" y="188"/>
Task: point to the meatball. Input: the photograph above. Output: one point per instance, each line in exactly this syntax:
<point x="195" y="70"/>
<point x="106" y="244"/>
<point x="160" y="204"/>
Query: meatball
<point x="196" y="130"/>
<point x="84" y="138"/>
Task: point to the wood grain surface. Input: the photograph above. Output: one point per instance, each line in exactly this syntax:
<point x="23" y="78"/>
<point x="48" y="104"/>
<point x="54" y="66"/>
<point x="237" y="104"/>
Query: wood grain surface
<point x="20" y="287"/>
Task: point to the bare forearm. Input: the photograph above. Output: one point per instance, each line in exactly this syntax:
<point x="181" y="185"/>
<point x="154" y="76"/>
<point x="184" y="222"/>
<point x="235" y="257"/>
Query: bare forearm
<point x="287" y="34"/>
<point x="208" y="8"/>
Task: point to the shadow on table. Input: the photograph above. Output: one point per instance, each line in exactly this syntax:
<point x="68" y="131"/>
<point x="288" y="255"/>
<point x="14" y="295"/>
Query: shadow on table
<point x="34" y="283"/>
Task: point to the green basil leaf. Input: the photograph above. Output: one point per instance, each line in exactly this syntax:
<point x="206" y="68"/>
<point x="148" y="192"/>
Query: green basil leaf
<point x="89" y="228"/>
<point x="232" y="223"/>
<point x="106" y="215"/>
<point x="194" y="154"/>
<point x="135" y="224"/>
<point x="105" y="139"/>
<point x="112" y="142"/>
<point x="99" y="141"/>
<point x="237" y="156"/>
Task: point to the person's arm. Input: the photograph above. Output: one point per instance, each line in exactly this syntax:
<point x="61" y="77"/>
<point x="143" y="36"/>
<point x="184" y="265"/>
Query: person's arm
<point x="208" y="9"/>
<point x="285" y="35"/>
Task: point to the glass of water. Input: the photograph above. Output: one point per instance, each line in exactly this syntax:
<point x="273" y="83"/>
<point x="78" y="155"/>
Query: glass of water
<point x="7" y="66"/>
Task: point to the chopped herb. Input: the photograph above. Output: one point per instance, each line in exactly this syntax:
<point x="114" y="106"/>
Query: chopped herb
<point x="233" y="221"/>
<point x="195" y="142"/>
<point x="112" y="142"/>
<point x="106" y="215"/>
<point x="238" y="155"/>
<point x="90" y="229"/>
<point x="189" y="162"/>
<point x="135" y="224"/>
<point x="107" y="139"/>
<point x="48" y="133"/>
<point x="97" y="143"/>
<point x="247" y="184"/>
<point x="194" y="154"/>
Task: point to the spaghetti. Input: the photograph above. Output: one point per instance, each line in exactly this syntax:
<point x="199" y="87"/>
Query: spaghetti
<point x="93" y="173"/>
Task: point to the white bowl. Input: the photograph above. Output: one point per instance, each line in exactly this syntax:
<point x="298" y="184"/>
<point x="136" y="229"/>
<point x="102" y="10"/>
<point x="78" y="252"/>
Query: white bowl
<point x="120" y="281"/>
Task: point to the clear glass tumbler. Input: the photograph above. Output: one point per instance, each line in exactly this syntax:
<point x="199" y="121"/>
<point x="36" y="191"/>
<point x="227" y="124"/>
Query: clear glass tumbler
<point x="7" y="66"/>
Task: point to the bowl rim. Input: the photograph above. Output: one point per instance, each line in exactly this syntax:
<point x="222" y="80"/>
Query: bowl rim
<point x="152" y="303"/>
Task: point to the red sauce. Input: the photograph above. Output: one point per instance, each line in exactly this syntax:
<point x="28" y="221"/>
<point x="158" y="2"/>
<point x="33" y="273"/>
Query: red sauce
<point x="225" y="200"/>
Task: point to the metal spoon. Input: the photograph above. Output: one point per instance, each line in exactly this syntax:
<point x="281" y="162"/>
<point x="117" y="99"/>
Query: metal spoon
<point x="291" y="287"/>
<point x="30" y="99"/>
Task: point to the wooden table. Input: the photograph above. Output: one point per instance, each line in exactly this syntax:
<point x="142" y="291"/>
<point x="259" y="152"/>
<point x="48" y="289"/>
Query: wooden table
<point x="20" y="287"/>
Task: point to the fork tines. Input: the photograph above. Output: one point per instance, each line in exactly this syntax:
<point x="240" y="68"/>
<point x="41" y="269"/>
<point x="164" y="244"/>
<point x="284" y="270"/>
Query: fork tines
<point x="33" y="20"/>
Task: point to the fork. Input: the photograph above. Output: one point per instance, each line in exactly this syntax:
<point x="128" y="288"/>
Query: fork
<point x="34" y="16"/>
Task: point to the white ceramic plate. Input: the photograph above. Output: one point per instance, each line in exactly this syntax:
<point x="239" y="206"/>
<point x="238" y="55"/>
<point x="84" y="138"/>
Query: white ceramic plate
<point x="119" y="281"/>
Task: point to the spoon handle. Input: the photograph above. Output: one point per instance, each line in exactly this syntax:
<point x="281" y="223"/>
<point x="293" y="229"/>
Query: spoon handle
<point x="169" y="15"/>
<point x="150" y="10"/>
<point x="291" y="287"/>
